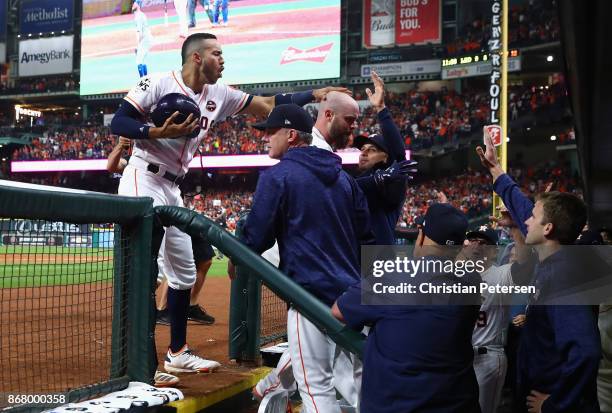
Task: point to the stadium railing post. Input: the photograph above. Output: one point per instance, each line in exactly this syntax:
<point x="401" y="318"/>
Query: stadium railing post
<point x="120" y="266"/>
<point x="142" y="358"/>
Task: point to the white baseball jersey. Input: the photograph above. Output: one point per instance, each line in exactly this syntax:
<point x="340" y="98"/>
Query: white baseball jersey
<point x="493" y="318"/>
<point x="217" y="102"/>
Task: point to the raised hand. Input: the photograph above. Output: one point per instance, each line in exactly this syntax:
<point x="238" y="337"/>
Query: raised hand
<point x="377" y="99"/>
<point x="488" y="157"/>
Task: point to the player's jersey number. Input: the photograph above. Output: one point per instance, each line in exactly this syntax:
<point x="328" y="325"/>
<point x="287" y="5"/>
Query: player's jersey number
<point x="204" y="123"/>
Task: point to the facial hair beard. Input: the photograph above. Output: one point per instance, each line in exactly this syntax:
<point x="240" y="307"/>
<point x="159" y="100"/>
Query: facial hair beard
<point x="338" y="137"/>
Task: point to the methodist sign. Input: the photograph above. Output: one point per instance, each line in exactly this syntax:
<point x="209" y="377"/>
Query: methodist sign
<point x="44" y="16"/>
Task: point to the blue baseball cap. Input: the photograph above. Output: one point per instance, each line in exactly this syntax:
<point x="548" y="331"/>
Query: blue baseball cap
<point x="485" y="232"/>
<point x="445" y="224"/>
<point x="375" y="139"/>
<point x="290" y="116"/>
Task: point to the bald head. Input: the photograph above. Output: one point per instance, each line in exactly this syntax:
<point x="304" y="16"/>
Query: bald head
<point x="339" y="103"/>
<point x="336" y="119"/>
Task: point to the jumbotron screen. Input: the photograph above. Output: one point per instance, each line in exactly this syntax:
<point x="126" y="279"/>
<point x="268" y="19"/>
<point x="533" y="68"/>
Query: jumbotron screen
<point x="262" y="40"/>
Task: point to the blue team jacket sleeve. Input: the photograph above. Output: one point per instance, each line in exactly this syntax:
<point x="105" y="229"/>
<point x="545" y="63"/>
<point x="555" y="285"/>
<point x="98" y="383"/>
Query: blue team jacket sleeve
<point x="577" y="338"/>
<point x="363" y="223"/>
<point x="391" y="135"/>
<point x="519" y="206"/>
<point x="356" y="316"/>
<point x="259" y="231"/>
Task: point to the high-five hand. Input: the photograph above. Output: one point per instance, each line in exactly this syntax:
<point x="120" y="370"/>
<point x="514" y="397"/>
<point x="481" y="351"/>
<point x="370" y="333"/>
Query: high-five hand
<point x="377" y="99"/>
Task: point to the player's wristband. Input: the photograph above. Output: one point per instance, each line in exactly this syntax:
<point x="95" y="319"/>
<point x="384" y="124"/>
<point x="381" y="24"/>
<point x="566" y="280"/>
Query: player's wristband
<point x="298" y="98"/>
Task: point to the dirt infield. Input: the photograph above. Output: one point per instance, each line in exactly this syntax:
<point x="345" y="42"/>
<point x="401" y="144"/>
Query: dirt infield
<point x="55" y="338"/>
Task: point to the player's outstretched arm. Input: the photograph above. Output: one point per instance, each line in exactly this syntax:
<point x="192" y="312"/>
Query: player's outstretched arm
<point x="263" y="105"/>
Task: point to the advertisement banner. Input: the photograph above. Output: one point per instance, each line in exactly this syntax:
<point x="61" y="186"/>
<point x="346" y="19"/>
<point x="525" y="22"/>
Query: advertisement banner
<point x="402" y="68"/>
<point x="43" y="16"/>
<point x="378" y="23"/>
<point x="478" y="69"/>
<point x="417" y="22"/>
<point x="45" y="56"/>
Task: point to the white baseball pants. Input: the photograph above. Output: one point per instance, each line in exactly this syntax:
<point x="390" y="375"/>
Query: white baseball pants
<point x="179" y="267"/>
<point x="490" y="371"/>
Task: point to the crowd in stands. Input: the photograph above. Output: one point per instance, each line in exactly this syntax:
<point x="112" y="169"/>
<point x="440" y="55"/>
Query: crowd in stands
<point x="63" y="83"/>
<point x="469" y="191"/>
<point x="68" y="142"/>
<point x="223" y="206"/>
<point x="425" y="119"/>
<point x="532" y="22"/>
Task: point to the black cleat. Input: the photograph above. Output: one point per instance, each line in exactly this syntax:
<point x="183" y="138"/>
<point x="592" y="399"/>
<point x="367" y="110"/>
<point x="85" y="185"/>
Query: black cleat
<point x="199" y="315"/>
<point x="163" y="317"/>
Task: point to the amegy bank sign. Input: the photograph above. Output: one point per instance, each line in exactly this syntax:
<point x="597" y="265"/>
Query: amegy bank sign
<point x="47" y="56"/>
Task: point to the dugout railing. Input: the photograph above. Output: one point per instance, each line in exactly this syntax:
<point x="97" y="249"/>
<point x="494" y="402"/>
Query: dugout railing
<point x="252" y="271"/>
<point x="77" y="317"/>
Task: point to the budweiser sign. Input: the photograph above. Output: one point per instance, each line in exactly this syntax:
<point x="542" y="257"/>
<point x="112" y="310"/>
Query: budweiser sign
<point x="316" y="54"/>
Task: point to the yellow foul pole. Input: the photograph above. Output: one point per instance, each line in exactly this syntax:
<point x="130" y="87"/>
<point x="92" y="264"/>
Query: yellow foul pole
<point x="502" y="151"/>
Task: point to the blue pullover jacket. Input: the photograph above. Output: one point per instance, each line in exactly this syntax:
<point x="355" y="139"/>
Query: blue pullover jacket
<point x="319" y="216"/>
<point x="385" y="203"/>
<point x="560" y="348"/>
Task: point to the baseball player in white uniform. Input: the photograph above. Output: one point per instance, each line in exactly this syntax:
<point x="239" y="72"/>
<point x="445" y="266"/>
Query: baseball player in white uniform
<point x="144" y="37"/>
<point x="489" y="337"/>
<point x="161" y="156"/>
<point x="181" y="11"/>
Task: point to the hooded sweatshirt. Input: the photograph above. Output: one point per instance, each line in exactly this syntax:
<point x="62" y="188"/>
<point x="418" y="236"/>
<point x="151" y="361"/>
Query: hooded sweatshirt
<point x="319" y="216"/>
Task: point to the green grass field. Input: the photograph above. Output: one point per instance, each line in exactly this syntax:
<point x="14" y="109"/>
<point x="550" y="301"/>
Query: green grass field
<point x="43" y="266"/>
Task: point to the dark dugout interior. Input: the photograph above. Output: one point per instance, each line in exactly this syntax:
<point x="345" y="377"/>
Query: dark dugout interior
<point x="586" y="37"/>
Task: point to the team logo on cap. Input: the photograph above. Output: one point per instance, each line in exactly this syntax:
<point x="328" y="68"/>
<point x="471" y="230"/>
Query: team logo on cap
<point x="287" y="122"/>
<point x="211" y="106"/>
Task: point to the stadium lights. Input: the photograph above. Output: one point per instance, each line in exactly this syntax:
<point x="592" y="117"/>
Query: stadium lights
<point x="40" y="34"/>
<point x="553" y="138"/>
<point x="550" y="58"/>
<point x="52" y="33"/>
<point x="19" y="36"/>
<point x="63" y="31"/>
<point x="29" y="34"/>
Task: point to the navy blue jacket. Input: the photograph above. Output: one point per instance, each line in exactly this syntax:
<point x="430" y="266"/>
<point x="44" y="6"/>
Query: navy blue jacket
<point x="385" y="203"/>
<point x="560" y="347"/>
<point x="319" y="216"/>
<point x="417" y="358"/>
